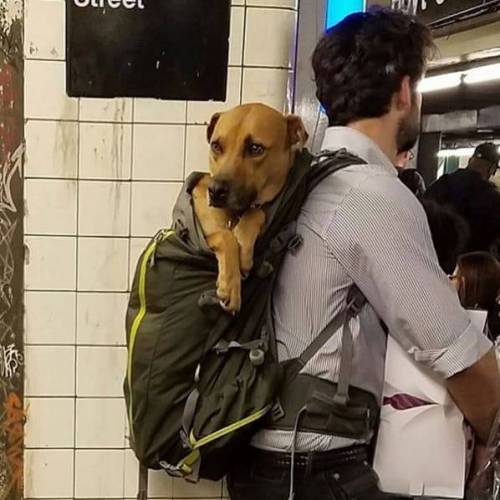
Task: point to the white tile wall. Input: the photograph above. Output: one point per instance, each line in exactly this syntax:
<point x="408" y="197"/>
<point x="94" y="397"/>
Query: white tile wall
<point x="48" y="473"/>
<point x="106" y="110"/>
<point x="105" y="151"/>
<point x="50" y="423"/>
<point x="50" y="263"/>
<point x="51" y="149"/>
<point x="102" y="264"/>
<point x="101" y="179"/>
<point x="99" y="473"/>
<point x="50" y="317"/>
<point x="103" y="208"/>
<point x="273" y="49"/>
<point x="46" y="96"/>
<point x="50" y="206"/>
<point x="158" y="152"/>
<point x="100" y="318"/>
<point x="50" y="371"/>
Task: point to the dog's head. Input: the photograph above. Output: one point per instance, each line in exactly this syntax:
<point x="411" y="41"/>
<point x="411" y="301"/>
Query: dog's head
<point x="252" y="148"/>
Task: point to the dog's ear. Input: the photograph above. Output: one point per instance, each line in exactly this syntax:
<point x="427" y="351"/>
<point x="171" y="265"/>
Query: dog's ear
<point x="297" y="133"/>
<point x="211" y="125"/>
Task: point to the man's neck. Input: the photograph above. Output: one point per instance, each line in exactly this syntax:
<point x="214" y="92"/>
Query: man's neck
<point x="479" y="171"/>
<point x="382" y="132"/>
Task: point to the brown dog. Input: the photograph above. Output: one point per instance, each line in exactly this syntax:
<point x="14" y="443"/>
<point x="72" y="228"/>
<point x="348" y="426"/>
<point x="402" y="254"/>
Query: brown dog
<point x="252" y="148"/>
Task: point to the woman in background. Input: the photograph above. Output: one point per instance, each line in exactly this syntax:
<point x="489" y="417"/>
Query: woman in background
<point x="477" y="279"/>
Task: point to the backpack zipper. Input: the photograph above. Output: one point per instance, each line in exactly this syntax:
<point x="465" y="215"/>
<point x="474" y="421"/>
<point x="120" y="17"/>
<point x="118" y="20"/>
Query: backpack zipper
<point x="148" y="257"/>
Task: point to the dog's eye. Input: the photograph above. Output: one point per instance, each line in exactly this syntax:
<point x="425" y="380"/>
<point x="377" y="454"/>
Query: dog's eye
<point x="216" y="147"/>
<point x="256" y="149"/>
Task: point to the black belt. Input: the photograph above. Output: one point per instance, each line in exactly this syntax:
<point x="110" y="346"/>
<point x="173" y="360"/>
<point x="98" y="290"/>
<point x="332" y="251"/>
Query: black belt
<point x="321" y="460"/>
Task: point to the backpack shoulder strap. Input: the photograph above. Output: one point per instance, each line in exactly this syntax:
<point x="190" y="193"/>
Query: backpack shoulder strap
<point x="329" y="162"/>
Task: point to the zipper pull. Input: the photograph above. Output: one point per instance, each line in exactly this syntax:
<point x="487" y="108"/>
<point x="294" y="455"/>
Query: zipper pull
<point x="152" y="258"/>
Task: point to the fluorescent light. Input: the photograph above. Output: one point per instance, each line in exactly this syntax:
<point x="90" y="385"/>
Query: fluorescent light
<point x="458" y="152"/>
<point x="446" y="153"/>
<point x="440" y="82"/>
<point x="482" y="74"/>
<point x="486" y="73"/>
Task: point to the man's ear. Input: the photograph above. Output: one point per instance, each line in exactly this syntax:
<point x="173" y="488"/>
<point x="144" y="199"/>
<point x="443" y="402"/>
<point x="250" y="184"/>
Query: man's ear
<point x="297" y="133"/>
<point x="404" y="98"/>
<point x="211" y="125"/>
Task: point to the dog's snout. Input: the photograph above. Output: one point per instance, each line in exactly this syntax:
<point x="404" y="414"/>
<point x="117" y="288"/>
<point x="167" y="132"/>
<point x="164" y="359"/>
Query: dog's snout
<point x="218" y="192"/>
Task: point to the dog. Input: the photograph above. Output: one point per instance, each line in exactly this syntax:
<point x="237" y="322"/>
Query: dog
<point x="252" y="149"/>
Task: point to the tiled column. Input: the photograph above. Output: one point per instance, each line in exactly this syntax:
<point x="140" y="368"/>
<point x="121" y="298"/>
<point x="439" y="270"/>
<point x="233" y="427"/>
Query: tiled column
<point x="101" y="177"/>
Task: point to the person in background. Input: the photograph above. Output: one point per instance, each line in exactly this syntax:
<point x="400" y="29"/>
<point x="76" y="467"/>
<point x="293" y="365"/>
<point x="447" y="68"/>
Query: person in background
<point x="412" y="179"/>
<point x="450" y="233"/>
<point x="449" y="230"/>
<point x="477" y="279"/>
<point x="470" y="193"/>
<point x="403" y="158"/>
<point x="484" y="161"/>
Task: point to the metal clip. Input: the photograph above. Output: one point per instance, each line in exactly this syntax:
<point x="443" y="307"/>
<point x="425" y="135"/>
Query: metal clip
<point x="170" y="469"/>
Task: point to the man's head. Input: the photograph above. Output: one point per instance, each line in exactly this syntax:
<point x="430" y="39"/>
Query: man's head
<point x="369" y="66"/>
<point x="485" y="159"/>
<point x="403" y="158"/>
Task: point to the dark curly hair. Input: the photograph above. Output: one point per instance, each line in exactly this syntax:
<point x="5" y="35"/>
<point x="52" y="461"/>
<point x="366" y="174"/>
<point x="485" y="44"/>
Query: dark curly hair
<point x="359" y="64"/>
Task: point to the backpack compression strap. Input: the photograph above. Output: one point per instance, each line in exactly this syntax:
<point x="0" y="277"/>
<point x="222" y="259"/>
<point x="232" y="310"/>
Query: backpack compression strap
<point x="354" y="303"/>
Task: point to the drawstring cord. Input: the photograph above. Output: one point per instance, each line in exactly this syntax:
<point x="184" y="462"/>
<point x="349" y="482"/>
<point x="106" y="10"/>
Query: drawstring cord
<point x="303" y="410"/>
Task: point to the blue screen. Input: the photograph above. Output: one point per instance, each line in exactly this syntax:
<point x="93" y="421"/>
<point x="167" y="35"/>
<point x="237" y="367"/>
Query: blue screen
<point x="338" y="9"/>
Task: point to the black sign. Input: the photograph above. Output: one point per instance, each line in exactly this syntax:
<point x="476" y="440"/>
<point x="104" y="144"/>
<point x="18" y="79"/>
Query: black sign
<point x="170" y="49"/>
<point x="431" y="11"/>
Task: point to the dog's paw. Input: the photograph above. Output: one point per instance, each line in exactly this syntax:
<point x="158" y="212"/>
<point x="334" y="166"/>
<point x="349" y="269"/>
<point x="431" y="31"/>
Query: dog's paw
<point x="229" y="294"/>
<point x="246" y="263"/>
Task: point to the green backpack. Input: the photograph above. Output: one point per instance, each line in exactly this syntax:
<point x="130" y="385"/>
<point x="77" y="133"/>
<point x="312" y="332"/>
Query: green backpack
<point x="200" y="381"/>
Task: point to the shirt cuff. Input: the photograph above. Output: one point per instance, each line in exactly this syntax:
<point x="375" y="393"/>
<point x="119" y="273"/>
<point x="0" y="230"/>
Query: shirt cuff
<point x="469" y="348"/>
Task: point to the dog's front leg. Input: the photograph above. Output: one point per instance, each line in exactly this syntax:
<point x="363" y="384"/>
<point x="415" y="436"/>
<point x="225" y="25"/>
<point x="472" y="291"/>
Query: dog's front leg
<point x="214" y="222"/>
<point x="226" y="249"/>
<point x="247" y="231"/>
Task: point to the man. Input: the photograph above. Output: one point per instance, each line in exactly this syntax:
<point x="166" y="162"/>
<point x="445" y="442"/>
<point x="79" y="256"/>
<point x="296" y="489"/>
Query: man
<point x="361" y="227"/>
<point x="403" y="158"/>
<point x="413" y="180"/>
<point x="471" y="194"/>
<point x="484" y="161"/>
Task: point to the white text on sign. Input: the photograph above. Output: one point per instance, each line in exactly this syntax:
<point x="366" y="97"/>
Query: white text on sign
<point x="112" y="4"/>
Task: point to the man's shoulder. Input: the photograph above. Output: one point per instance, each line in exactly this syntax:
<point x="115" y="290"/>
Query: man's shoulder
<point x="373" y="197"/>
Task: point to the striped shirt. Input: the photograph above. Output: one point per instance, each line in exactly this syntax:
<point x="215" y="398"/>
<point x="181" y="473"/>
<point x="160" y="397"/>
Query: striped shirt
<point x="362" y="226"/>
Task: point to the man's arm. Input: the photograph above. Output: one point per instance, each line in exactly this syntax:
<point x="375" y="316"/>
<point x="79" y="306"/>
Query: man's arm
<point x="381" y="237"/>
<point x="476" y="391"/>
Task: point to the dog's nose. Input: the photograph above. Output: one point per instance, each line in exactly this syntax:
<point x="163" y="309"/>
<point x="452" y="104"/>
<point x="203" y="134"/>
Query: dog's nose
<point x="218" y="192"/>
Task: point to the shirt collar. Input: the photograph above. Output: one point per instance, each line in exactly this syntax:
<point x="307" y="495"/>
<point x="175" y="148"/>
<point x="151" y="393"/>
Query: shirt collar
<point x="359" y="144"/>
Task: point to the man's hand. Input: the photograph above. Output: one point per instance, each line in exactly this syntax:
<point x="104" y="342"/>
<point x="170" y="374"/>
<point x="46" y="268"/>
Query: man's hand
<point x="476" y="392"/>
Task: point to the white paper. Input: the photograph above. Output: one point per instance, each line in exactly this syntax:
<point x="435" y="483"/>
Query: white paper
<point x="421" y="450"/>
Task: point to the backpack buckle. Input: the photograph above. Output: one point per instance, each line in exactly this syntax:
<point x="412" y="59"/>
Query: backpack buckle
<point x="171" y="470"/>
<point x="265" y="270"/>
<point x="181" y="230"/>
<point x="277" y="412"/>
<point x="295" y="243"/>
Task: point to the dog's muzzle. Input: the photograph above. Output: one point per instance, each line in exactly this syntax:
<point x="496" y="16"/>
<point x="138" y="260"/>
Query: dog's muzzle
<point x="225" y="194"/>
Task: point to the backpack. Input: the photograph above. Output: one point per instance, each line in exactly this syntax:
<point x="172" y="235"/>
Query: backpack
<point x="200" y="381"/>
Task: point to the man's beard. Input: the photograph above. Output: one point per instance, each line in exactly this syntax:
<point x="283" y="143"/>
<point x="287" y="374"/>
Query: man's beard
<point x="409" y="130"/>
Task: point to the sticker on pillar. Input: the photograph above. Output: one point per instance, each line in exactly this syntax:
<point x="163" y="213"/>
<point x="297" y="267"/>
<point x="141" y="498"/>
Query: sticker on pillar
<point x="168" y="49"/>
